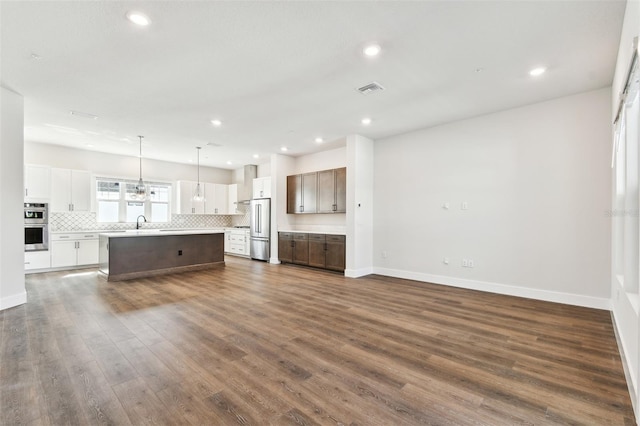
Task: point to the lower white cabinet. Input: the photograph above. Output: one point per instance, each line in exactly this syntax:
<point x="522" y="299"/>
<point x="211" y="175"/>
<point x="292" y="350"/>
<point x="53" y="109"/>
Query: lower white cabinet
<point x="37" y="260"/>
<point x="236" y="241"/>
<point x="74" y="249"/>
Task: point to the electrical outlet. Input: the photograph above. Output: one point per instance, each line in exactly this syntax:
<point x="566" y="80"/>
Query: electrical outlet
<point x="465" y="263"/>
<point x="464" y="205"/>
<point x="445" y="261"/>
<point x="470" y="263"/>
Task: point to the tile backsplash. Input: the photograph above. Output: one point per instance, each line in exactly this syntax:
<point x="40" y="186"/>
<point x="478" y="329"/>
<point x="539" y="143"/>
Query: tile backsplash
<point x="84" y="221"/>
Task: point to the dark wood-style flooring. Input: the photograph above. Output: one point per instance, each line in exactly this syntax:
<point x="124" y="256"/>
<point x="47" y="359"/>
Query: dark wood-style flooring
<point x="253" y="343"/>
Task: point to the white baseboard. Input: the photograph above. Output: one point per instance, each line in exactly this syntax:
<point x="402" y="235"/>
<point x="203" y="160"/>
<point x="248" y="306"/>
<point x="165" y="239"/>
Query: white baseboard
<point x="11" y="301"/>
<point x="356" y="273"/>
<point x="510" y="290"/>
<point x="274" y="260"/>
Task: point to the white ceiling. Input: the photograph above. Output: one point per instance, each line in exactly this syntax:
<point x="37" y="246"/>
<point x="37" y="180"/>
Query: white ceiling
<point x="283" y="73"/>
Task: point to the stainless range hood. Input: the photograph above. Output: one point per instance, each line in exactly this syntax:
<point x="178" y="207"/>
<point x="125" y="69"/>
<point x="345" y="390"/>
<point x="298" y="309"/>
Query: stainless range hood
<point x="245" y="190"/>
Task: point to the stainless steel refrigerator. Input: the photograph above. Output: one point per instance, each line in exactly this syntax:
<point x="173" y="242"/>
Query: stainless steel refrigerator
<point x="260" y="228"/>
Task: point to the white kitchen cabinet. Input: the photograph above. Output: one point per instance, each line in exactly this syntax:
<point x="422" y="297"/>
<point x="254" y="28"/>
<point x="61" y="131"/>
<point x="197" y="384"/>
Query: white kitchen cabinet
<point x="232" y="197"/>
<point x="37" y="260"/>
<point x="184" y="197"/>
<point x="74" y="249"/>
<point x="37" y="183"/>
<point x="217" y="201"/>
<point x="262" y="187"/>
<point x="236" y="241"/>
<point x="70" y="190"/>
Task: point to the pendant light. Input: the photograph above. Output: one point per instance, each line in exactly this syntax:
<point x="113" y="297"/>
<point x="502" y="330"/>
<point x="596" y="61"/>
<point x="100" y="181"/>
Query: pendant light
<point x="198" y="195"/>
<point x="140" y="192"/>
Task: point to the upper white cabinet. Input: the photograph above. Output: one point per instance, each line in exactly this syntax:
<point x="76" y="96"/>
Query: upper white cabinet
<point x="37" y="183"/>
<point x="219" y="198"/>
<point x="217" y="201"/>
<point x="184" y="195"/>
<point x="70" y="190"/>
<point x="232" y="197"/>
<point x="262" y="187"/>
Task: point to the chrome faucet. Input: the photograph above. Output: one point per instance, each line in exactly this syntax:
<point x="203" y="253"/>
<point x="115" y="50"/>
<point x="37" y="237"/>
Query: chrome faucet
<point x="138" y="221"/>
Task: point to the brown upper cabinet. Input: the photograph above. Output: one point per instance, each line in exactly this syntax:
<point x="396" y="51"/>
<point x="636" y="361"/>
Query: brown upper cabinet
<point x="317" y="192"/>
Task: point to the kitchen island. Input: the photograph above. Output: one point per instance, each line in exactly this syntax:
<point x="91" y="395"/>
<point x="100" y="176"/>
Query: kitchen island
<point x="134" y="254"/>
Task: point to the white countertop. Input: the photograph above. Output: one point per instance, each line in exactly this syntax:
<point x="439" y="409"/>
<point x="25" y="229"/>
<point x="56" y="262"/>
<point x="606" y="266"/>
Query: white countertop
<point x="160" y="232"/>
<point x="119" y="231"/>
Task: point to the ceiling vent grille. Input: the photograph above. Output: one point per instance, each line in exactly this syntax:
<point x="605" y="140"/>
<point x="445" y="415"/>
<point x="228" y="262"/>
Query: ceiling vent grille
<point x="370" y="88"/>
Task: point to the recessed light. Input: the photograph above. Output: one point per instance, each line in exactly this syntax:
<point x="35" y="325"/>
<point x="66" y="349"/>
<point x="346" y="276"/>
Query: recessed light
<point x="229" y="163"/>
<point x="319" y="140"/>
<point x="371" y="50"/>
<point x="366" y="121"/>
<point x="138" y="18"/>
<point x="284" y="149"/>
<point x="256" y="156"/>
<point x="89" y="145"/>
<point x="35" y="57"/>
<point x="537" y="71"/>
<point x="216" y="123"/>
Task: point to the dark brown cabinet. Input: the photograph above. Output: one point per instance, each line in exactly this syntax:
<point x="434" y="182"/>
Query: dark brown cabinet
<point x="302" y="193"/>
<point x="285" y="247"/>
<point x="317" y="250"/>
<point x="332" y="191"/>
<point x="335" y="252"/>
<point x="317" y="192"/>
<point x="293" y="247"/>
<point x="300" y="249"/>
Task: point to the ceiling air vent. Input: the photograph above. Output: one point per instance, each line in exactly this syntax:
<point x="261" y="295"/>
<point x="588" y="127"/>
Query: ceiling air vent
<point x="370" y="88"/>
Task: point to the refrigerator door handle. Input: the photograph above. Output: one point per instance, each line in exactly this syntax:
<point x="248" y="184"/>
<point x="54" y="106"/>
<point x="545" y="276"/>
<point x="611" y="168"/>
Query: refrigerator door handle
<point x="258" y="230"/>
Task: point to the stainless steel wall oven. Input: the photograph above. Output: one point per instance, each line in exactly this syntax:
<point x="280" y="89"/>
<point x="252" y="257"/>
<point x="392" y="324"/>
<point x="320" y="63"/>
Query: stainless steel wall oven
<point x="36" y="227"/>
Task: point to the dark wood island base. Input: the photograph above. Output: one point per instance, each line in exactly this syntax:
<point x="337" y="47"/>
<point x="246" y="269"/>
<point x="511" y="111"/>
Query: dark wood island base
<point x="125" y="256"/>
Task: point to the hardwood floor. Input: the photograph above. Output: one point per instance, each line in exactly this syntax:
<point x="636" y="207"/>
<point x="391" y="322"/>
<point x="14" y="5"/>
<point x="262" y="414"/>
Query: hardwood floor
<point x="253" y="343"/>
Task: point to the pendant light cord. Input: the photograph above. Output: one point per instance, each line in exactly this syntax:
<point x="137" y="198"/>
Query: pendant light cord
<point x="140" y="157"/>
<point x="198" y="165"/>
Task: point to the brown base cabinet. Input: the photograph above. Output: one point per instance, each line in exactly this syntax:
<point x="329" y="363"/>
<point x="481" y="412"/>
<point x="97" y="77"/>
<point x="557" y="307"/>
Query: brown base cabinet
<point x="335" y="253"/>
<point x="317" y="250"/>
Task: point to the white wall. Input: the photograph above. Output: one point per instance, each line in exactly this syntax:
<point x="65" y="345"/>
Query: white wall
<point x="12" y="289"/>
<point x="103" y="164"/>
<point x="624" y="305"/>
<point x="538" y="186"/>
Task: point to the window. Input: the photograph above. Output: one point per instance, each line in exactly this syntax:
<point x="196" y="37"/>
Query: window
<point x="116" y="204"/>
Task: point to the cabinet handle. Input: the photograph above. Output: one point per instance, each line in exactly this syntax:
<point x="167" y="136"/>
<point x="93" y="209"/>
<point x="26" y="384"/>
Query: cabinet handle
<point x="26" y="192"/>
<point x="64" y="236"/>
<point x="301" y="208"/>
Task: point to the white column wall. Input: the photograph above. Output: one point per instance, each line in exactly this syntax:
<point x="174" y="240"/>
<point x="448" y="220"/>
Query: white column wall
<point x="624" y="305"/>
<point x="12" y="288"/>
<point x="360" y="207"/>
